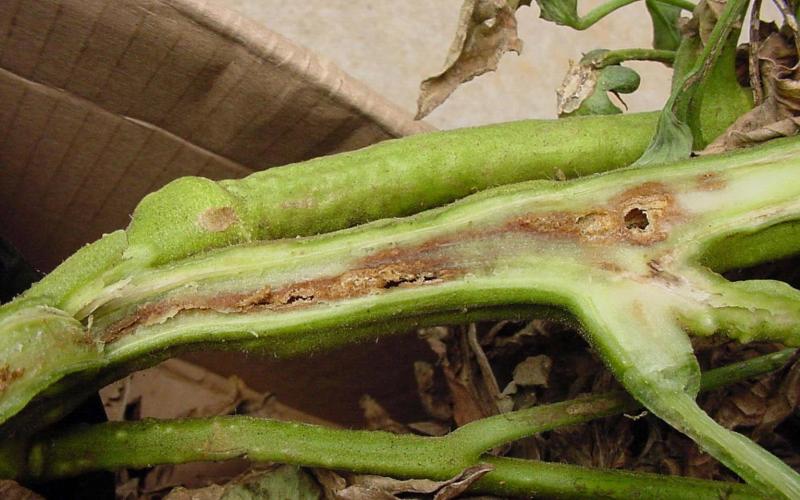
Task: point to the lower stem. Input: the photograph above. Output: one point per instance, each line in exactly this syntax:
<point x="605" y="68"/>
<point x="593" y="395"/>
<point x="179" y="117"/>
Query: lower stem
<point x="753" y="463"/>
<point x="116" y="445"/>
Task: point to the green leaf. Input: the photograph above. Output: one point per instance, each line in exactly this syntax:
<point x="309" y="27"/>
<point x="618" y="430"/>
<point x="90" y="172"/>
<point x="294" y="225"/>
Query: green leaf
<point x="666" y="33"/>
<point x="686" y="121"/>
<point x="672" y="141"/>
<point x="563" y="12"/>
<point x="719" y="100"/>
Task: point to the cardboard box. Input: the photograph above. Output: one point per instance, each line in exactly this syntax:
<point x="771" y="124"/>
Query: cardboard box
<point x="104" y="101"/>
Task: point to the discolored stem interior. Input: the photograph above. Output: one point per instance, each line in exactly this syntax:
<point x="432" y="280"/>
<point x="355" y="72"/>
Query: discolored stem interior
<point x="625" y="253"/>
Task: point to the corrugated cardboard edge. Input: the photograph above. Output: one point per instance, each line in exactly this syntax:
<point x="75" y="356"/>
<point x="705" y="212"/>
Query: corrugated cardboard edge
<point x="103" y="101"/>
<point x="273" y="47"/>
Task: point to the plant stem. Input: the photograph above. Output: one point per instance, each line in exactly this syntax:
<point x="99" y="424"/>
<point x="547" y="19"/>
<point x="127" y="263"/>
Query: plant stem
<point x="494" y="431"/>
<point x="612" y="57"/>
<point x="554" y="244"/>
<point x="533" y="479"/>
<point x="601" y="11"/>
<point x="140" y="444"/>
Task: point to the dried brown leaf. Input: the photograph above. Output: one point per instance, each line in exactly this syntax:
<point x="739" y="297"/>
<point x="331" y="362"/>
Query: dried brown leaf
<point x="429" y="428"/>
<point x="779" y="113"/>
<point x="471" y="397"/>
<point x="487" y="29"/>
<point x="577" y="86"/>
<point x="435" y="404"/>
<point x="11" y="490"/>
<point x="368" y="487"/>
<point x="378" y="418"/>
<point x="533" y="371"/>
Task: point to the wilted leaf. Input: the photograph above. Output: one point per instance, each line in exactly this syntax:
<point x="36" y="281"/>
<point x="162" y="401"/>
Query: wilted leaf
<point x="487" y="29"/>
<point x="284" y="481"/>
<point x="563" y="12"/>
<point x="707" y="98"/>
<point x="779" y="114"/>
<point x="666" y="31"/>
<point x="367" y="487"/>
<point x="585" y="88"/>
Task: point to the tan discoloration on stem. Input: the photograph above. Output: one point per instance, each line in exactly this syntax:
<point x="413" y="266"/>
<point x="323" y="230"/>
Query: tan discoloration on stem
<point x="639" y="216"/>
<point x="710" y="181"/>
<point x="217" y="219"/>
<point x="8" y="376"/>
<point x="350" y="284"/>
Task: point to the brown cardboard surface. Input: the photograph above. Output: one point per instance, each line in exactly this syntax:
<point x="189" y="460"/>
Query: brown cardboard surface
<point x="103" y="101"/>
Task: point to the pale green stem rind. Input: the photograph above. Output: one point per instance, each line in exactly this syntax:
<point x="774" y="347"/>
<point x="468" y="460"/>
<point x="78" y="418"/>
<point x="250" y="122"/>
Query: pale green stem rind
<point x="391" y="179"/>
<point x="131" y="444"/>
<point x="512" y="247"/>
<point x="613" y="57"/>
<point x="526" y="478"/>
<point x="754" y="464"/>
<point x="140" y="444"/>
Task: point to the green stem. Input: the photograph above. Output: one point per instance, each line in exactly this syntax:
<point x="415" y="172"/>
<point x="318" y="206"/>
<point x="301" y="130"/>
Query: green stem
<point x="140" y="444"/>
<point x="494" y="431"/>
<point x="391" y="179"/>
<point x="532" y="479"/>
<point x="674" y="138"/>
<point x="613" y="57"/>
<point x="601" y="11"/>
<point x="633" y="283"/>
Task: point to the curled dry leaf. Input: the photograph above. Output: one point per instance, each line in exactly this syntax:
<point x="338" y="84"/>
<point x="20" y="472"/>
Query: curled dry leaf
<point x="763" y="405"/>
<point x="473" y="398"/>
<point x="378" y="418"/>
<point x="535" y="370"/>
<point x="586" y="85"/>
<point x="779" y="114"/>
<point x="368" y="487"/>
<point x="487" y="29"/>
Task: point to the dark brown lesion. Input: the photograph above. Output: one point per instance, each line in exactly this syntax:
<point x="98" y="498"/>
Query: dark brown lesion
<point x="710" y="181"/>
<point x="638" y="216"/>
<point x="350" y="284"/>
<point x="8" y="375"/>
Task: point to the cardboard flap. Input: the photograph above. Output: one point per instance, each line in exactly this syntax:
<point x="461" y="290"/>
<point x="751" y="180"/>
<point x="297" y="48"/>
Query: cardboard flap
<point x="104" y="101"/>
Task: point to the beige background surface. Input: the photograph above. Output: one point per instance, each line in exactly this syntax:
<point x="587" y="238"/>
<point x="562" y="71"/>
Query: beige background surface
<point x="392" y="45"/>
